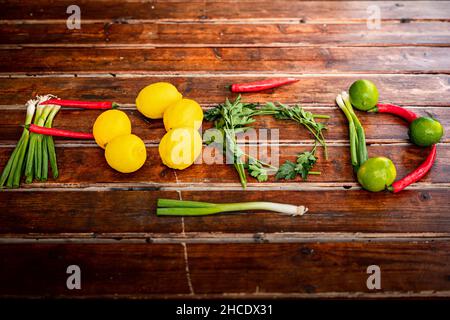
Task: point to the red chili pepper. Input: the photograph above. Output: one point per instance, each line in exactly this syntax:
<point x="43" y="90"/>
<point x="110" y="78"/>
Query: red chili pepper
<point x="261" y="85"/>
<point x="59" y="132"/>
<point x="82" y="104"/>
<point x="417" y="174"/>
<point x="393" y="109"/>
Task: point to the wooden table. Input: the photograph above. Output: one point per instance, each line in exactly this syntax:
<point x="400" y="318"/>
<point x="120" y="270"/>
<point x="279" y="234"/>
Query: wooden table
<point x="105" y="223"/>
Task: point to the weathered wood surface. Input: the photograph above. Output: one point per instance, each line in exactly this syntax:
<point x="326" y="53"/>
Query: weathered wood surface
<point x="329" y="60"/>
<point x="178" y="11"/>
<point x="209" y="89"/>
<point x="379" y="127"/>
<point x="84" y="166"/>
<point x="257" y="270"/>
<point x="115" y="212"/>
<point x="243" y="35"/>
<point x="105" y="221"/>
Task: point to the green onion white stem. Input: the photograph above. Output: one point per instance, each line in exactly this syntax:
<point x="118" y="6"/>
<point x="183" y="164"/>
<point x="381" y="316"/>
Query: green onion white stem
<point x="169" y="207"/>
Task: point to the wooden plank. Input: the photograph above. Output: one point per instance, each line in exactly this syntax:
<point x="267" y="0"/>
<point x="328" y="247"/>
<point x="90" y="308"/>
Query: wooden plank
<point x="314" y="268"/>
<point x="304" y="11"/>
<point x="422" y="90"/>
<point x="109" y="213"/>
<point x="379" y="127"/>
<point x="245" y="35"/>
<point x="84" y="166"/>
<point x="105" y="211"/>
<point x="40" y="270"/>
<point x="139" y="270"/>
<point x="330" y="211"/>
<point x="393" y="60"/>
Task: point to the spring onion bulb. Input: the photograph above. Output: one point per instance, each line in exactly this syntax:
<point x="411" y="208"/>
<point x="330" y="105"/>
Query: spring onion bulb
<point x="169" y="207"/>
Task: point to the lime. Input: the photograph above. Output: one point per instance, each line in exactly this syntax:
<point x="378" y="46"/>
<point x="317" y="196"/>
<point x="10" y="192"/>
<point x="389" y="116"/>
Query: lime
<point x="376" y="174"/>
<point x="363" y="94"/>
<point x="425" y="131"/>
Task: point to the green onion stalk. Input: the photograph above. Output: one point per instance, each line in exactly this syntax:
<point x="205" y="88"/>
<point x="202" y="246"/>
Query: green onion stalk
<point x="169" y="207"/>
<point x="14" y="167"/>
<point x="362" y="148"/>
<point x="49" y="143"/>
<point x="358" y="148"/>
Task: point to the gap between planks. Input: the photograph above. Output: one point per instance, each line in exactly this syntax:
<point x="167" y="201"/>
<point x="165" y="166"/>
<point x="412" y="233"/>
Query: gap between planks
<point x="247" y="21"/>
<point x="218" y="238"/>
<point x="206" y="74"/>
<point x="298" y="143"/>
<point x="215" y="45"/>
<point x="144" y="186"/>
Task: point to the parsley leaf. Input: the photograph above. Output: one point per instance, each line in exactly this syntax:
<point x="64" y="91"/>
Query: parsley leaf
<point x="257" y="171"/>
<point x="286" y="171"/>
<point x="305" y="161"/>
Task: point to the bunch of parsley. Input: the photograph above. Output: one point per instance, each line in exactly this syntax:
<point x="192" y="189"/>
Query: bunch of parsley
<point x="235" y="117"/>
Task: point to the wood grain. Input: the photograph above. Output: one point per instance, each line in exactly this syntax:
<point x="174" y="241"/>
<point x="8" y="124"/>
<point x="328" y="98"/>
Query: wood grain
<point x="245" y="35"/>
<point x="312" y="268"/>
<point x="304" y="11"/>
<point x="379" y="127"/>
<point x="108" y="270"/>
<point x="40" y="270"/>
<point x="422" y="90"/>
<point x="109" y="213"/>
<point x="392" y="60"/>
<point x="84" y="166"/>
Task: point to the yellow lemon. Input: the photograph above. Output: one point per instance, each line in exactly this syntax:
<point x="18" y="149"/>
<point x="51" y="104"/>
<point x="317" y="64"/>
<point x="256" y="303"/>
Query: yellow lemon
<point x="154" y="99"/>
<point x="180" y="147"/>
<point x="184" y="113"/>
<point x="110" y="124"/>
<point x="126" y="153"/>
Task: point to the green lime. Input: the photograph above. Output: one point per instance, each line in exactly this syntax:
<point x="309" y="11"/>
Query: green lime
<point x="376" y="174"/>
<point x="425" y="131"/>
<point x="363" y="95"/>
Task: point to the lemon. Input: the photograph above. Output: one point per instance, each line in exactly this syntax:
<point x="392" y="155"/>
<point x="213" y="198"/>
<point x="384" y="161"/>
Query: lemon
<point x="184" y="113"/>
<point x="154" y="99"/>
<point x="110" y="124"/>
<point x="126" y="153"/>
<point x="180" y="147"/>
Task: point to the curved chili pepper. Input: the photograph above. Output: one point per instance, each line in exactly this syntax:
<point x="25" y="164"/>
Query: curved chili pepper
<point x="261" y="85"/>
<point x="82" y="104"/>
<point x="417" y="174"/>
<point x="421" y="170"/>
<point x="393" y="109"/>
<point x="59" y="132"/>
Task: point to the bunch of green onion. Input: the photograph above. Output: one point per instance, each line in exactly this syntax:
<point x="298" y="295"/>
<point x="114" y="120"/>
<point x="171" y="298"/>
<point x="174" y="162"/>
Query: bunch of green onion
<point x="33" y="152"/>
<point x="358" y="148"/>
<point x="170" y="207"/>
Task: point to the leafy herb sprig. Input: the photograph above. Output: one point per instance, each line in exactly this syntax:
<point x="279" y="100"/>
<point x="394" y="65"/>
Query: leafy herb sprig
<point x="232" y="118"/>
<point x="305" y="161"/>
<point x="299" y="115"/>
<point x="235" y="117"/>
